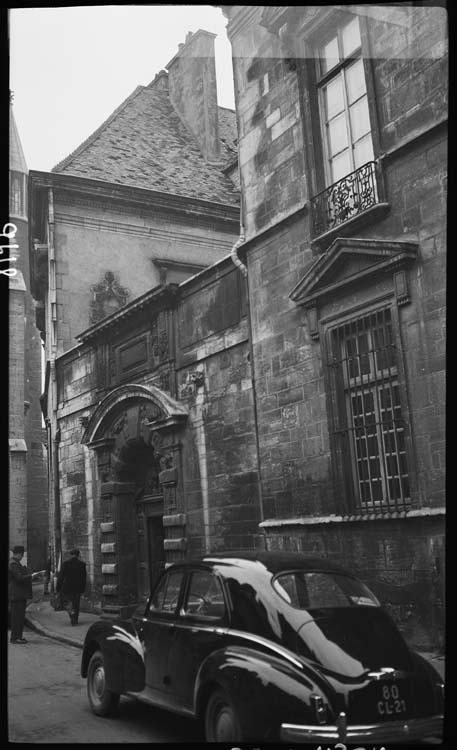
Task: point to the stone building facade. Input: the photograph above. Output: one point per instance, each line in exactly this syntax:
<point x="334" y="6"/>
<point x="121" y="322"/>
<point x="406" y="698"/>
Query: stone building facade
<point x="157" y="452"/>
<point x="342" y="140"/>
<point x="143" y="204"/>
<point x="291" y="393"/>
<point x="28" y="514"/>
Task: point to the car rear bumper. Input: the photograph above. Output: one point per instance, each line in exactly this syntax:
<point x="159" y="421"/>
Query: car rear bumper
<point x="389" y="731"/>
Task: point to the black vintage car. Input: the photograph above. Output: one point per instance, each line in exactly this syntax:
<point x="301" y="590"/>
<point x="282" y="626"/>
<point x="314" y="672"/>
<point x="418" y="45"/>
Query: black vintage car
<point x="267" y="647"/>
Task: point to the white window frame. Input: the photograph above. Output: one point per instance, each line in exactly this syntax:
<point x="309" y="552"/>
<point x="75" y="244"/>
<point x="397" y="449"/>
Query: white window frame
<point x="322" y="80"/>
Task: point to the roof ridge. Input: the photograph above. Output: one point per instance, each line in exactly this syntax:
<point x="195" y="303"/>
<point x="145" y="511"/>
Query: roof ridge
<point x="93" y="137"/>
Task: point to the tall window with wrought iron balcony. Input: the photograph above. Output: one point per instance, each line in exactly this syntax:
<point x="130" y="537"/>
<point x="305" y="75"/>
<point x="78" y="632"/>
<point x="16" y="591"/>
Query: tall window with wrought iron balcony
<point x="347" y="142"/>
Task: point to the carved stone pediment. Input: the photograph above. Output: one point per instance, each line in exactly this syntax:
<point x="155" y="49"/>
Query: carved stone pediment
<point x="350" y="262"/>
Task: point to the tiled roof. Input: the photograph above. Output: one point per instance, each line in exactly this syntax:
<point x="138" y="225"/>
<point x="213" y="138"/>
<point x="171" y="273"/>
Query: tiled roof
<point x="145" y="144"/>
<point x="228" y="134"/>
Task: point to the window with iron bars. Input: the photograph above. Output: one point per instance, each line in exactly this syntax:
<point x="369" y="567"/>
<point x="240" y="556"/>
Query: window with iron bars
<point x="368" y="428"/>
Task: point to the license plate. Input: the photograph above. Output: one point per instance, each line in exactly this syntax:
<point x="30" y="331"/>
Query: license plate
<point x="390" y="701"/>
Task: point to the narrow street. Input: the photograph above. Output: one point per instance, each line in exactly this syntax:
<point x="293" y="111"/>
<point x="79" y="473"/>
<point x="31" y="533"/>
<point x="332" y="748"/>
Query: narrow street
<point x="47" y="702"/>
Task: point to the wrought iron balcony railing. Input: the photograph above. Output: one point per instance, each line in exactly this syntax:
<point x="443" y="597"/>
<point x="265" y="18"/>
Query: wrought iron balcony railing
<point x="345" y="199"/>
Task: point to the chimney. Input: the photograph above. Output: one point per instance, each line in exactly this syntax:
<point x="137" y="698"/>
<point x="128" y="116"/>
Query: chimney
<point x="193" y="91"/>
<point x="160" y="81"/>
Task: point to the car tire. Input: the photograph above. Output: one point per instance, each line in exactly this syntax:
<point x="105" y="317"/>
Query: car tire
<point x="221" y="720"/>
<point x="101" y="700"/>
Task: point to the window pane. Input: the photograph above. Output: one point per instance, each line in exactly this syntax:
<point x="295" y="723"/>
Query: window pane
<point x="170" y="601"/>
<point x="363" y="151"/>
<point x="329" y="55"/>
<point x="351" y="37"/>
<point x="355" y="81"/>
<point x="337" y="134"/>
<point x="205" y="596"/>
<point x="334" y="99"/>
<point x="341" y="166"/>
<point x="165" y="598"/>
<point x="318" y="590"/>
<point x="159" y="593"/>
<point x="360" y="119"/>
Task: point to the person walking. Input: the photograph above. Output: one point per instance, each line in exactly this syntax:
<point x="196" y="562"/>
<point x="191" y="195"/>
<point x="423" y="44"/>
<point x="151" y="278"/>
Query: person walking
<point x="71" y="582"/>
<point x="19" y="590"/>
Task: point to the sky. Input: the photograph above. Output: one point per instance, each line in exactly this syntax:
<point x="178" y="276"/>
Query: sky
<point x="70" y="67"/>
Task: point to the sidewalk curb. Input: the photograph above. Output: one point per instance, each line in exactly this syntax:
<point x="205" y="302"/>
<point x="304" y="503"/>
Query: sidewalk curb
<point x="50" y="634"/>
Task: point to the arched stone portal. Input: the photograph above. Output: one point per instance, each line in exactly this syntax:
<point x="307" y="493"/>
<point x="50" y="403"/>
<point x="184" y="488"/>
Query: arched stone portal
<point x="135" y="433"/>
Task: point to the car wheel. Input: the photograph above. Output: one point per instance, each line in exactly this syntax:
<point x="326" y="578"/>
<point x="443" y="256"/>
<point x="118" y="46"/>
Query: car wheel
<point x="221" y="721"/>
<point x="102" y="701"/>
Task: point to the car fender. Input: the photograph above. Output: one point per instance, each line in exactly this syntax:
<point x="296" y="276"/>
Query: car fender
<point x="123" y="653"/>
<point x="265" y="690"/>
<point x="432" y="692"/>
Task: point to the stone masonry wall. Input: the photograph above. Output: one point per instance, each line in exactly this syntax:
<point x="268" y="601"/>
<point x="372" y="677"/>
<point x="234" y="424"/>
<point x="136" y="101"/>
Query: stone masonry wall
<point x="16" y="438"/>
<point x="409" y="81"/>
<point x="25" y="364"/>
<point x="269" y="126"/>
<point x="214" y="381"/>
<point x="93" y="239"/>
<point x="77" y="396"/>
<point x="402" y="561"/>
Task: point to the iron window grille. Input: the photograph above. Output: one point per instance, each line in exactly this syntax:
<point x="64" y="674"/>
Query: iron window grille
<point x="369" y="429"/>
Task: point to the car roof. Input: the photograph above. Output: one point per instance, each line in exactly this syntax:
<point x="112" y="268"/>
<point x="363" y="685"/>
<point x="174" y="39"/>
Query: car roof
<point x="274" y="561"/>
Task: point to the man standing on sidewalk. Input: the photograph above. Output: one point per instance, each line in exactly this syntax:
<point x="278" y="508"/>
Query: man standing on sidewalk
<point x="19" y="590"/>
<point x="71" y="582"/>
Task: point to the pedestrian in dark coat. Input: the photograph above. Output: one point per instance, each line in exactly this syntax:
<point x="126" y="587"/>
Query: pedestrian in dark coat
<point x="71" y="582"/>
<point x="19" y="590"/>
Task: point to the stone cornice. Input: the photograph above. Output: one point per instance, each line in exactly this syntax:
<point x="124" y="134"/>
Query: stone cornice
<point x="86" y="189"/>
<point x="151" y="232"/>
<point x="159" y="297"/>
<point x="424" y="512"/>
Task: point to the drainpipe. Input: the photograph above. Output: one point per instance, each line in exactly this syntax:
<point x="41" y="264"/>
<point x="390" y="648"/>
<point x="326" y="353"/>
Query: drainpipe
<point x="239" y="264"/>
<point x="234" y="252"/>
<point x="202" y="461"/>
<point x="241" y="239"/>
<point x="55" y="432"/>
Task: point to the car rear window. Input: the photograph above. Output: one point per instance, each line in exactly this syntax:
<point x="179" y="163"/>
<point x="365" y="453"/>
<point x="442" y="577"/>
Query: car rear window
<point x="317" y="590"/>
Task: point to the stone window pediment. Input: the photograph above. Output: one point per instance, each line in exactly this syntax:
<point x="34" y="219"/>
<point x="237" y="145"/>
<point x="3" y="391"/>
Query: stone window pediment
<point x="349" y="263"/>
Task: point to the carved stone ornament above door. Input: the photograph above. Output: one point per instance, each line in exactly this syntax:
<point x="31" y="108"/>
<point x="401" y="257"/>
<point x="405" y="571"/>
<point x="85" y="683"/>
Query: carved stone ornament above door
<point x="107" y="297"/>
<point x="349" y="264"/>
